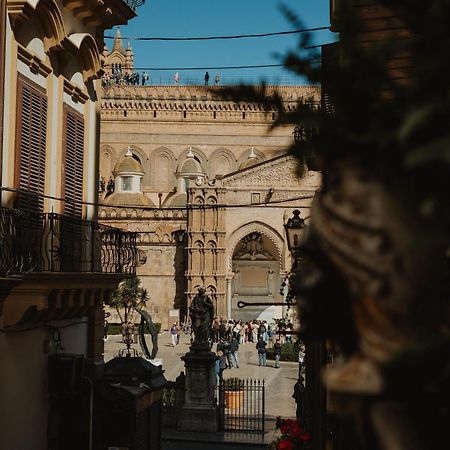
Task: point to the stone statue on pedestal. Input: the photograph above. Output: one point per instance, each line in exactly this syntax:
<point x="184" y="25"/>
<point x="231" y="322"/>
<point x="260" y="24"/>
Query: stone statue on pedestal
<point x="201" y="313"/>
<point x="199" y="412"/>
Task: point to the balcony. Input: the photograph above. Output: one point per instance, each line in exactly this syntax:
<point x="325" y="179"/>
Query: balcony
<point x="34" y="242"/>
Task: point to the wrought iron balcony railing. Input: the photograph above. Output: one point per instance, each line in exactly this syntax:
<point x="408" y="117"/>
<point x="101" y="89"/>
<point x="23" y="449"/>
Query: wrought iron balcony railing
<point x="35" y="242"/>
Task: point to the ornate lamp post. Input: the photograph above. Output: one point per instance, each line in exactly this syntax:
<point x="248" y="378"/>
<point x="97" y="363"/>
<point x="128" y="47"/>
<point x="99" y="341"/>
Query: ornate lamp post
<point x="294" y="229"/>
<point x="313" y="397"/>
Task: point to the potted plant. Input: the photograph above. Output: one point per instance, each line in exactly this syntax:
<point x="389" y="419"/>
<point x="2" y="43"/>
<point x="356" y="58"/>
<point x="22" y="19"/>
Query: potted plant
<point x="234" y="392"/>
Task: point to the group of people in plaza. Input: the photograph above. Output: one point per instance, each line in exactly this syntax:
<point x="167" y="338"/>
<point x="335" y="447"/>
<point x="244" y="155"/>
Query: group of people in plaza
<point x="250" y="331"/>
<point x="230" y="334"/>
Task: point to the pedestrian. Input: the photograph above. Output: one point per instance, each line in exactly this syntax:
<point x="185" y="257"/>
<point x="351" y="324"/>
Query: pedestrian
<point x="178" y="333"/>
<point x="222" y="329"/>
<point x="242" y="333"/>
<point x="174" y="334"/>
<point x="217" y="79"/>
<point x="216" y="327"/>
<point x="301" y="357"/>
<point x="234" y="347"/>
<point x="177" y="77"/>
<point x="110" y="186"/>
<point x="222" y="364"/>
<point x="289" y="327"/>
<point x="277" y="352"/>
<point x="261" y="347"/>
<point x="299" y="397"/>
<point x="206" y="79"/>
<point x="144" y="78"/>
<point x="255" y="330"/>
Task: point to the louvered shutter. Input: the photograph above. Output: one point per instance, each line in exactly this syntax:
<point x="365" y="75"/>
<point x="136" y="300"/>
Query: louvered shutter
<point x="73" y="161"/>
<point x="31" y="144"/>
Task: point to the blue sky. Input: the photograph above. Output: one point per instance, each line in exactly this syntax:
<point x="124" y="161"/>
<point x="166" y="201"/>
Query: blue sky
<point x="175" y="18"/>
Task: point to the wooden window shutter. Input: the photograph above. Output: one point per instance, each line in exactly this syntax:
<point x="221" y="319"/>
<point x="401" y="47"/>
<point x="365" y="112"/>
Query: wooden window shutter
<point x="73" y="134"/>
<point x="31" y="144"/>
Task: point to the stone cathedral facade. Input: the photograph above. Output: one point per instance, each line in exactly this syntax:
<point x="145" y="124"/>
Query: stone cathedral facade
<point x="208" y="186"/>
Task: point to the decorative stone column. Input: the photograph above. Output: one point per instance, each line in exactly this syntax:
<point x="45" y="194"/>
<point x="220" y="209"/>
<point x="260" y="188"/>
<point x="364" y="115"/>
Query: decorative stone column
<point x="229" y="294"/>
<point x="199" y="412"/>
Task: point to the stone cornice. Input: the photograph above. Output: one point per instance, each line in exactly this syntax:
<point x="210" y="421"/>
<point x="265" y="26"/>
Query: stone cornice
<point x="196" y="98"/>
<point x="75" y="92"/>
<point x="100" y="12"/>
<point x="33" y="62"/>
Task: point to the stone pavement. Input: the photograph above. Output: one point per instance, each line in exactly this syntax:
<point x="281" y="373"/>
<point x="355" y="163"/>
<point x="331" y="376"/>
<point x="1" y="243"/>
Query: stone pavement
<point x="279" y="382"/>
<point x="279" y="388"/>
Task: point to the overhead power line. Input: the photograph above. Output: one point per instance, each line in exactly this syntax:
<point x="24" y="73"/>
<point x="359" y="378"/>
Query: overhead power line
<point x="256" y="66"/>
<point x="149" y="208"/>
<point x="216" y="38"/>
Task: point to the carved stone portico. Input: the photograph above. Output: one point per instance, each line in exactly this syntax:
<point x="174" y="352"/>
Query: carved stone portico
<point x="236" y="248"/>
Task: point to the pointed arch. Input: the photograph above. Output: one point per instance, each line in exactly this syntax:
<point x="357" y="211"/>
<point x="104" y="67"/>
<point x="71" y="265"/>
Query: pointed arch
<point x="245" y="230"/>
<point x="221" y="162"/>
<point x="162" y="166"/>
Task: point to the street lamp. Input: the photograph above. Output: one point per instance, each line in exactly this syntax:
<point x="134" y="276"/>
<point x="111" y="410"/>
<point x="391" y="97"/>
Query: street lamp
<point x="294" y="229"/>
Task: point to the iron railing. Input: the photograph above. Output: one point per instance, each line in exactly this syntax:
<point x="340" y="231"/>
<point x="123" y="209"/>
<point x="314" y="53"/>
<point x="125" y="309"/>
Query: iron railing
<point x="49" y="242"/>
<point x="241" y="409"/>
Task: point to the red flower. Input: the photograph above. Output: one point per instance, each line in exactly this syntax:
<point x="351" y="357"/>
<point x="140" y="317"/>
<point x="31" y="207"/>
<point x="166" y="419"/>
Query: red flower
<point x="295" y="429"/>
<point x="304" y="436"/>
<point x="285" y="445"/>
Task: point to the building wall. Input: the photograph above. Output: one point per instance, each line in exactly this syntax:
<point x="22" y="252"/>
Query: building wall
<point x="161" y="124"/>
<point x="51" y="47"/>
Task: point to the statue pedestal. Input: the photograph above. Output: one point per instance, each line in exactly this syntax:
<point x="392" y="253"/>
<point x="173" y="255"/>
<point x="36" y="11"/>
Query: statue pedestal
<point x="199" y="412"/>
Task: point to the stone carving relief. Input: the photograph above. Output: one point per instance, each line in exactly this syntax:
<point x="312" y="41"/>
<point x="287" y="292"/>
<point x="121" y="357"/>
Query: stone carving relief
<point x="280" y="172"/>
<point x="251" y="248"/>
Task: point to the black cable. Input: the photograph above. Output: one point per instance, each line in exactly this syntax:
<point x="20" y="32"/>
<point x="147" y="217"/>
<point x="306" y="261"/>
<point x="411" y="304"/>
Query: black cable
<point x="212" y="38"/>
<point x="256" y="66"/>
<point x="151" y="208"/>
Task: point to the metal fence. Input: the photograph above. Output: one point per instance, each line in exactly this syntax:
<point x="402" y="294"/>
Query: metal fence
<point x="240" y="404"/>
<point x="243" y="407"/>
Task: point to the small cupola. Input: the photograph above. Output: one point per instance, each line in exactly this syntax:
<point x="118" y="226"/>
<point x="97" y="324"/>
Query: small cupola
<point x="128" y="174"/>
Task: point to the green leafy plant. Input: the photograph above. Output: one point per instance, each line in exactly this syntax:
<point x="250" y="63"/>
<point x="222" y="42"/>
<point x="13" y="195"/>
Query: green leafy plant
<point x="128" y="296"/>
<point x="289" y="352"/>
<point x="233" y="384"/>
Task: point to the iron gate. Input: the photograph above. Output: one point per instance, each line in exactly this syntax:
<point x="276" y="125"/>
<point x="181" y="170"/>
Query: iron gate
<point x="243" y="408"/>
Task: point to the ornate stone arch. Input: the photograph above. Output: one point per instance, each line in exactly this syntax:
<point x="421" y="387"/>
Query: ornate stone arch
<point x="88" y="54"/>
<point x="106" y="166"/>
<point x="215" y="162"/>
<point x="48" y="17"/>
<point x="245" y="230"/>
<point x="162" y="166"/>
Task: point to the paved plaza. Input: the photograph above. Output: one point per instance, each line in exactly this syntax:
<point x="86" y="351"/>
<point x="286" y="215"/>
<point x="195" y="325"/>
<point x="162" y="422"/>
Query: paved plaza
<point x="279" y="382"/>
